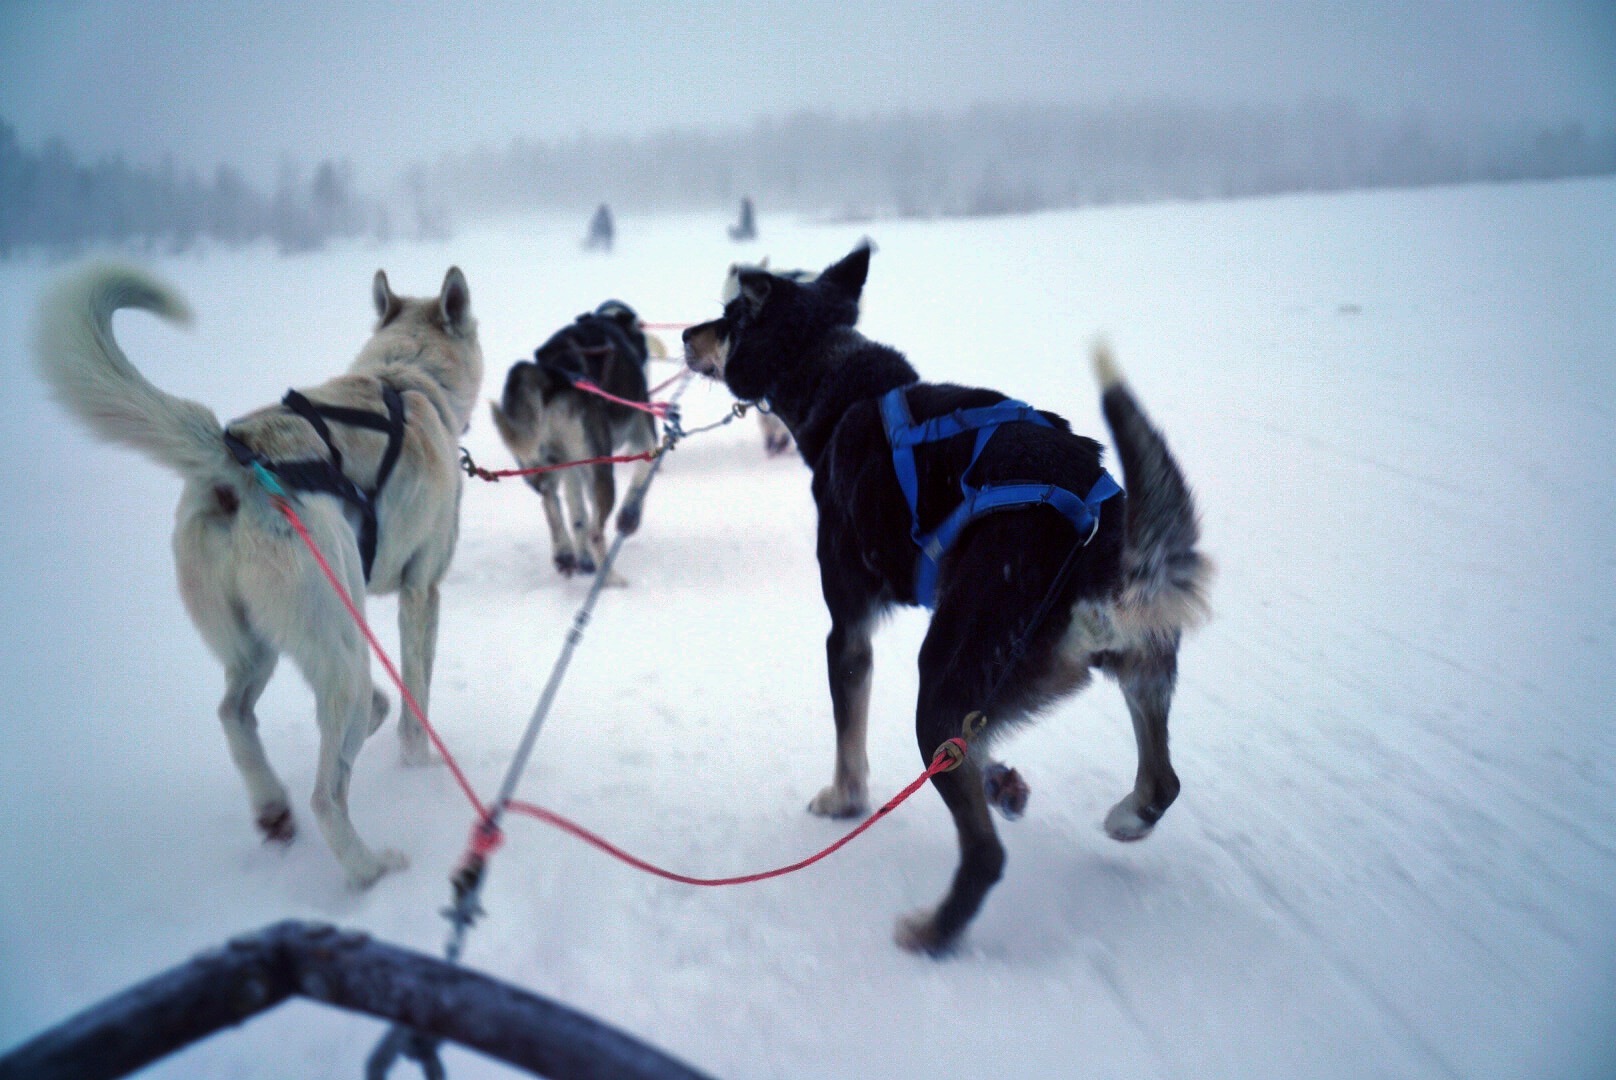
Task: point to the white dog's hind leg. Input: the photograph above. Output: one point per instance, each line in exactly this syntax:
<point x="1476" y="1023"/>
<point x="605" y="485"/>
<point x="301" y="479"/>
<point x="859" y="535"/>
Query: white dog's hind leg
<point x="245" y="679"/>
<point x="204" y="561"/>
<point x="298" y="609"/>
<point x="418" y="634"/>
<point x="344" y="718"/>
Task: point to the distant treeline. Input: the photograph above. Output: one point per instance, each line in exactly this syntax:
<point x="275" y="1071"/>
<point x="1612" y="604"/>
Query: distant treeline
<point x="49" y="199"/>
<point x="987" y="160"/>
<point x="999" y="160"/>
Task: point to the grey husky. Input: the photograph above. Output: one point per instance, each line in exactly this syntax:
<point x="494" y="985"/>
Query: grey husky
<point x="369" y="458"/>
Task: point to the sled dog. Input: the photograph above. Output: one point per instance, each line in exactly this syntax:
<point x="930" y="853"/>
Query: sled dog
<point x="1038" y="568"/>
<point x="544" y="419"/>
<point x="369" y="461"/>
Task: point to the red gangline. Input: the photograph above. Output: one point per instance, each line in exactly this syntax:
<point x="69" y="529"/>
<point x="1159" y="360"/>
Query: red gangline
<point x="658" y="409"/>
<point x="661" y="386"/>
<point x="494" y="474"/>
<point x="940" y="763"/>
<point x="486" y="835"/>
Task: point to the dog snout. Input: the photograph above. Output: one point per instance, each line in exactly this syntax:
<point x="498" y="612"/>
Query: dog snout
<point x="704" y="349"/>
<point x="698" y="363"/>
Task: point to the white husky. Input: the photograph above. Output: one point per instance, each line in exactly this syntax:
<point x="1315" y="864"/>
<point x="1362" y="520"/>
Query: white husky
<point x="370" y="460"/>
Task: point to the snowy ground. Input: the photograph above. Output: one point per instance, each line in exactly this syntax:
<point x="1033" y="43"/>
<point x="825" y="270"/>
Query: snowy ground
<point x="1395" y="854"/>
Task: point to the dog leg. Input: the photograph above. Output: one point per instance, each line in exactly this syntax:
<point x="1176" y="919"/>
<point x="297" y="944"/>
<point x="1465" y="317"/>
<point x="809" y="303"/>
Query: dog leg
<point x="578" y="518"/>
<point x="245" y="679"/>
<point x="1147" y="679"/>
<point x="642" y="441"/>
<point x="850" y="662"/>
<point x="418" y="634"/>
<point x="1006" y="791"/>
<point x="935" y="931"/>
<point x="566" y="560"/>
<point x="378" y="710"/>
<point x="604" y="486"/>
<point x="203" y="560"/>
<point x="315" y="632"/>
<point x="343" y="718"/>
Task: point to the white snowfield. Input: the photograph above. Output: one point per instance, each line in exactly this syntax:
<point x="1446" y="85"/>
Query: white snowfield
<point x="1395" y="852"/>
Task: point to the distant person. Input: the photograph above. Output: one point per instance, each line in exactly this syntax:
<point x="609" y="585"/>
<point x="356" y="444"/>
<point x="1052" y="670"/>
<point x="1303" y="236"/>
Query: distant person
<point x="746" y="227"/>
<point x="601" y="230"/>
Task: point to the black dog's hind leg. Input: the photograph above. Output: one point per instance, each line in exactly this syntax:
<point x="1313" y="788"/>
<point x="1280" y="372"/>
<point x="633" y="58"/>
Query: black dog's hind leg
<point x="956" y="672"/>
<point x="561" y="549"/>
<point x="936" y="930"/>
<point x="603" y="489"/>
<point x="1147" y="676"/>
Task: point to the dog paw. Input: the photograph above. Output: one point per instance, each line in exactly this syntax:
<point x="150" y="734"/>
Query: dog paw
<point x="417" y="753"/>
<point x="586" y="564"/>
<point x="917" y="933"/>
<point x="1007" y="792"/>
<point x="834" y="802"/>
<point x="276" y="823"/>
<point x="566" y="564"/>
<point x="1125" y="823"/>
<point x="373" y="869"/>
<point x="628" y="519"/>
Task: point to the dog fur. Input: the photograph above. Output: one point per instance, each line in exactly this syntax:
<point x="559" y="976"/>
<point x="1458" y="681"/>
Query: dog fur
<point x="1132" y="590"/>
<point x="247" y="581"/>
<point x="544" y="420"/>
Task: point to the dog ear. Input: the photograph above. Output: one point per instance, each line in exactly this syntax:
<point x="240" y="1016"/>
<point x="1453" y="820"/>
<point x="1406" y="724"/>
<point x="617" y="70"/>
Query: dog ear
<point x="455" y="299"/>
<point x="755" y="288"/>
<point x="387" y="305"/>
<point x="848" y="275"/>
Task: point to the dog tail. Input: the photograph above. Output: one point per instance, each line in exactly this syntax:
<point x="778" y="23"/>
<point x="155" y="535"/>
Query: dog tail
<point x="80" y="360"/>
<point x="1164" y="579"/>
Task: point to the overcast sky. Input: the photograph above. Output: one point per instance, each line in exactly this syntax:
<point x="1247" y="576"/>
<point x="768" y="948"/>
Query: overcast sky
<point x="387" y="83"/>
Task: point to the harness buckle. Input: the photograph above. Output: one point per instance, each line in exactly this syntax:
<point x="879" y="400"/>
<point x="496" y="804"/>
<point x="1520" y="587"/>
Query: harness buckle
<point x="954" y="750"/>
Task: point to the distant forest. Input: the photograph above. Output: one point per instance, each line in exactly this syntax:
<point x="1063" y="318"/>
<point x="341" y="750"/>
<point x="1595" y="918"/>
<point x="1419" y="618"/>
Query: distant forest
<point x="49" y="199"/>
<point x="982" y="161"/>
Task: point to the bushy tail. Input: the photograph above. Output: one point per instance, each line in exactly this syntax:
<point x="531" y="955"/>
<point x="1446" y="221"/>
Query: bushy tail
<point x="80" y="360"/>
<point x="1165" y="580"/>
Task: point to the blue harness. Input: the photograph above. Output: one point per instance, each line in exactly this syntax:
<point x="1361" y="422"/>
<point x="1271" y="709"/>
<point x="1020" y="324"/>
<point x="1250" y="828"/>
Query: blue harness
<point x="904" y="435"/>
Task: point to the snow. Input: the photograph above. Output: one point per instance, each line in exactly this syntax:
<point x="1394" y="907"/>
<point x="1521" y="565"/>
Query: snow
<point x="1395" y="853"/>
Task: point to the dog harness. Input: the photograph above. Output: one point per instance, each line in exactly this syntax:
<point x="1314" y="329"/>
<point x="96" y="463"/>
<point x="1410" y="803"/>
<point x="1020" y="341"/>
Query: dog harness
<point x="904" y="435"/>
<point x="326" y="476"/>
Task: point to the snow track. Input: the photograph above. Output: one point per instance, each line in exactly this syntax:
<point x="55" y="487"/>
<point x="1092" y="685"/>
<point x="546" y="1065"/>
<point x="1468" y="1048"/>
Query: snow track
<point x="1395" y="852"/>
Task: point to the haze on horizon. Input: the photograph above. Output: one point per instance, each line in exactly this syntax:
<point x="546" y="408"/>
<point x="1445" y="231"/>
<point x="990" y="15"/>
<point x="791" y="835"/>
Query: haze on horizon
<point x="385" y="85"/>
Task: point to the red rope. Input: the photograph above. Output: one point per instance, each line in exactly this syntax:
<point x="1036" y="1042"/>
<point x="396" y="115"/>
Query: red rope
<point x="658" y="409"/>
<point x="494" y="474"/>
<point x="941" y="763"/>
<point x="486" y="835"/>
<point x="661" y="386"/>
<point x="414" y="706"/>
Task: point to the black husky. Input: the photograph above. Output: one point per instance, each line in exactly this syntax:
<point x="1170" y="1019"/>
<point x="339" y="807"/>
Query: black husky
<point x="545" y="419"/>
<point x="1038" y="568"/>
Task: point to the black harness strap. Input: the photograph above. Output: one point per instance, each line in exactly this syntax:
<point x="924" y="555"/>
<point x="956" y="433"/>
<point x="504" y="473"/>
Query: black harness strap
<point x="327" y="477"/>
